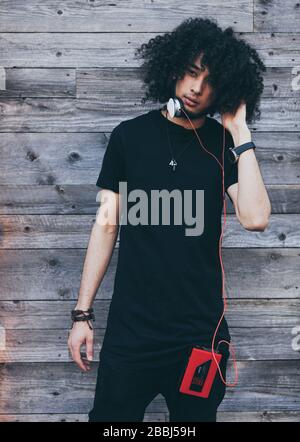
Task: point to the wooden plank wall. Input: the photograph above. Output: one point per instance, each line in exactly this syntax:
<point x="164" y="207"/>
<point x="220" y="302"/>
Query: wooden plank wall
<point x="70" y="77"/>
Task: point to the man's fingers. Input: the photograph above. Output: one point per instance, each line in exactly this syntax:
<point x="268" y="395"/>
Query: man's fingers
<point x="89" y="349"/>
<point x="76" y="339"/>
<point x="77" y="358"/>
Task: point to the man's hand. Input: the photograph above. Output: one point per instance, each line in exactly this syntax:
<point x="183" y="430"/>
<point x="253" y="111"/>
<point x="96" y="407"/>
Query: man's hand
<point x="232" y="122"/>
<point x="81" y="334"/>
<point x="236" y="125"/>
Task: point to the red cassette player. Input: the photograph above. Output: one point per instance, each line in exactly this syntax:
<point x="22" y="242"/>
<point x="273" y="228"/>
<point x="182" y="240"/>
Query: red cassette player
<point x="199" y="372"/>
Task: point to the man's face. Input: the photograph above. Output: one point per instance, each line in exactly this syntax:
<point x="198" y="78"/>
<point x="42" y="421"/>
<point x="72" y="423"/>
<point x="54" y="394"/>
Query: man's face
<point x="194" y="84"/>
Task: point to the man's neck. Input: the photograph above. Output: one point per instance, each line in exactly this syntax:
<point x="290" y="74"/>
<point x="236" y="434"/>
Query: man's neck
<point x="197" y="123"/>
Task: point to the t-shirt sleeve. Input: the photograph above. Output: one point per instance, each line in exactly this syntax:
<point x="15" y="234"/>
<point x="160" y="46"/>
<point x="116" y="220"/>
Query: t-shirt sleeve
<point x="230" y="169"/>
<point x="113" y="163"/>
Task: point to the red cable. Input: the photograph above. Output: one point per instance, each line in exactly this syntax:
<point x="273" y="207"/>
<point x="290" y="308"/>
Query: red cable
<point x="221" y="262"/>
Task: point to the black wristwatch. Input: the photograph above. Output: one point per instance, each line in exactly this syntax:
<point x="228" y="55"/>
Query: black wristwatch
<point x="235" y="152"/>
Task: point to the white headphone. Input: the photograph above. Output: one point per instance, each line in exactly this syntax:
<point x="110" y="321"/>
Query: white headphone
<point x="174" y="107"/>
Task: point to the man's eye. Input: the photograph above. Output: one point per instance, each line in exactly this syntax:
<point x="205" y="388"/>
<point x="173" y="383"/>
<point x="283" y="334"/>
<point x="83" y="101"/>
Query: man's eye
<point x="192" y="72"/>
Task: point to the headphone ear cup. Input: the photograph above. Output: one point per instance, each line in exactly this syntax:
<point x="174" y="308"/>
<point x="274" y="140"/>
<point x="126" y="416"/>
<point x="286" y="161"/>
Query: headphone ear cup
<point x="171" y="107"/>
<point x="174" y="107"/>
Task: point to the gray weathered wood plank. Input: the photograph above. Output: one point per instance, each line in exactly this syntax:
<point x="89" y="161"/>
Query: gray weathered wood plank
<point x="49" y="388"/>
<point x="133" y="16"/>
<point x="116" y="49"/>
<point x="46" y="315"/>
<point x="251" y="343"/>
<point x="54" y="275"/>
<point x="73" y="231"/>
<point x="101" y="83"/>
<point x="276" y="16"/>
<point x="63" y="159"/>
<point x="73" y="417"/>
<point x="263" y="416"/>
<point x="222" y="416"/>
<point x="91" y="115"/>
<point x="41" y="83"/>
<point x="81" y="199"/>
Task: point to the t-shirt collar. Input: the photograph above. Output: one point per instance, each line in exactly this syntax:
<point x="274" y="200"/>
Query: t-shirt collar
<point x="176" y="127"/>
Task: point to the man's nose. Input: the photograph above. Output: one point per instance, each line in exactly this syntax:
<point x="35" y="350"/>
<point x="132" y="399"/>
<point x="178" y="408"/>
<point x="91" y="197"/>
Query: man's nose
<point x="199" y="85"/>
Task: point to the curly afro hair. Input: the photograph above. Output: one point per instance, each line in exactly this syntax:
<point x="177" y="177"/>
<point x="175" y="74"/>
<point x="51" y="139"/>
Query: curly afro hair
<point x="234" y="67"/>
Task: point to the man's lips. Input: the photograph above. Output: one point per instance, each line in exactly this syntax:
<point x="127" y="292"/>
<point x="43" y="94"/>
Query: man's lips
<point x="191" y="100"/>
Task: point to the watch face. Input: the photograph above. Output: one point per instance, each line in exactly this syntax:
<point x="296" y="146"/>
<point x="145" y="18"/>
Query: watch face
<point x="232" y="156"/>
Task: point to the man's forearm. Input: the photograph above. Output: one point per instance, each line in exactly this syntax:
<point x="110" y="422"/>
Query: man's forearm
<point x="98" y="255"/>
<point x="253" y="201"/>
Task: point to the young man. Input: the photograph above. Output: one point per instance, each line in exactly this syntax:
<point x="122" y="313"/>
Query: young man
<point x="168" y="286"/>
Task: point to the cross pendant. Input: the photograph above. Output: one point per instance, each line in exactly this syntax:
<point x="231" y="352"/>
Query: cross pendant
<point x="173" y="163"/>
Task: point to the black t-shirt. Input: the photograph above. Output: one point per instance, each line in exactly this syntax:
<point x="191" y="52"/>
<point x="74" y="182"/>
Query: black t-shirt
<point x="168" y="286"/>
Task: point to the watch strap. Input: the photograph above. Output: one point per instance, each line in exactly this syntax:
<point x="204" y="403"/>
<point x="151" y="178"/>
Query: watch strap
<point x="236" y="151"/>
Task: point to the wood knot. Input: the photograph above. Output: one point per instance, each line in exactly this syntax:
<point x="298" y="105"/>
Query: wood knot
<point x="281" y="236"/>
<point x="31" y="155"/>
<point x="53" y="262"/>
<point x="74" y="156"/>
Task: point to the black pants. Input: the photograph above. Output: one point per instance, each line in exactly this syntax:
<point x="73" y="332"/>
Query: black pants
<point x="123" y="395"/>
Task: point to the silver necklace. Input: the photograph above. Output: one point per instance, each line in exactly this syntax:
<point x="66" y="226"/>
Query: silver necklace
<point x="173" y="163"/>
